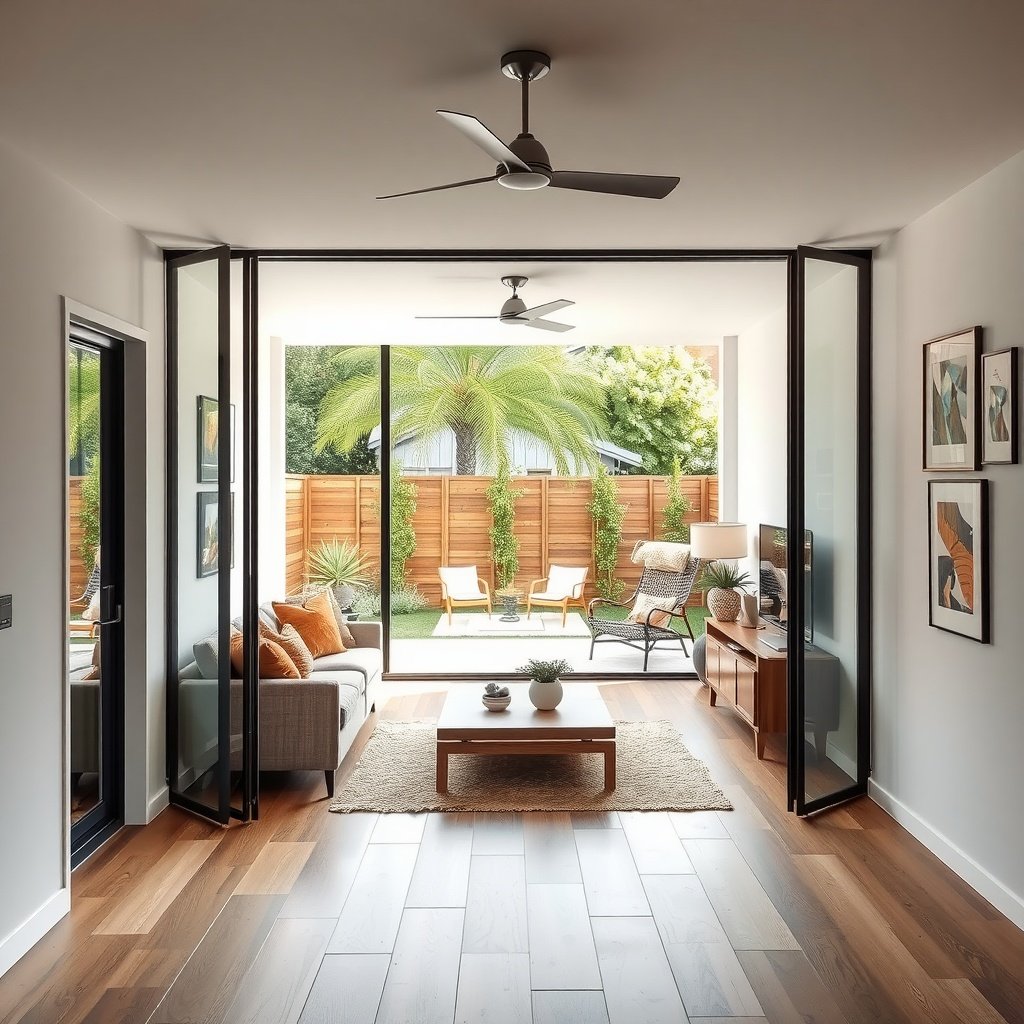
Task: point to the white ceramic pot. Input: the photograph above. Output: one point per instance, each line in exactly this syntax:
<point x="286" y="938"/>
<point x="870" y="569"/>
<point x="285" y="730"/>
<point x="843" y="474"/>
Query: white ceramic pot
<point x="546" y="696"/>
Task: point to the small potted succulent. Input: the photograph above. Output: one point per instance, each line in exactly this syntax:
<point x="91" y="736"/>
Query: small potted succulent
<point x="496" y="697"/>
<point x="546" y="684"/>
<point x="721" y="580"/>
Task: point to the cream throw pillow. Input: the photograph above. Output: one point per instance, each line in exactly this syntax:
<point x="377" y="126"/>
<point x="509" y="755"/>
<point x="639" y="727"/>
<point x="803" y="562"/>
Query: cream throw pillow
<point x="645" y="604"/>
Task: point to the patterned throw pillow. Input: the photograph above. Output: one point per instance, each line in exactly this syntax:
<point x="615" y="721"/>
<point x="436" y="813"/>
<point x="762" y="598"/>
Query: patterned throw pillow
<point x="292" y="644"/>
<point x="315" y="623"/>
<point x="274" y="663"/>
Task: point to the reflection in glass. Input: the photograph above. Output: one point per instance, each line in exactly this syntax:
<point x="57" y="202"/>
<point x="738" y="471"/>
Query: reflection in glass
<point x="85" y="668"/>
<point x="831" y="416"/>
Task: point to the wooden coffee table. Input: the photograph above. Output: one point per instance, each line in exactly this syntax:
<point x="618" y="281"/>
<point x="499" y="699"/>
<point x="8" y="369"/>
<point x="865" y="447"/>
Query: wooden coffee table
<point x="581" y="724"/>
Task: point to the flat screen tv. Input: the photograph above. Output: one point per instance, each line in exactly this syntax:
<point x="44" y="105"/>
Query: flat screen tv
<point x="772" y="582"/>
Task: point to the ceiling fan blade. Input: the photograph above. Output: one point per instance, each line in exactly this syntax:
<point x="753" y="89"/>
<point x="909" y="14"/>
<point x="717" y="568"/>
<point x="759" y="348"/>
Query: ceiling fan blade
<point x="441" y="188"/>
<point x="455" y="318"/>
<point x="478" y="133"/>
<point x="643" y="186"/>
<point x="549" y="307"/>
<point x="547" y="325"/>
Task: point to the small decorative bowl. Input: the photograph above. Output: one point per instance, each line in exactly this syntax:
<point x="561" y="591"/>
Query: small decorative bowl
<point x="496" y="703"/>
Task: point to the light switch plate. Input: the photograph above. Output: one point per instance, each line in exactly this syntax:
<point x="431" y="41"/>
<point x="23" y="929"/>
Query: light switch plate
<point x="6" y="604"/>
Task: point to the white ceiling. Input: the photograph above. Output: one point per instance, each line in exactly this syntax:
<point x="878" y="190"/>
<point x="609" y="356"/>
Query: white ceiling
<point x="264" y="123"/>
<point x="616" y="303"/>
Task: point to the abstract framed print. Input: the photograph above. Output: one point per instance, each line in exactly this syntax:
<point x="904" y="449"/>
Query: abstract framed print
<point x="208" y="536"/>
<point x="207" y="438"/>
<point x="951" y="406"/>
<point x="958" y="557"/>
<point x="1000" y="417"/>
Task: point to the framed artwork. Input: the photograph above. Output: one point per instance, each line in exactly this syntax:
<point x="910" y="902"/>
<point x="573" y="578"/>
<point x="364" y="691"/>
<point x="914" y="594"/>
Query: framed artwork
<point x="207" y="538"/>
<point x="951" y="406"/>
<point x="1000" y="415"/>
<point x="207" y="438"/>
<point x="958" y="557"/>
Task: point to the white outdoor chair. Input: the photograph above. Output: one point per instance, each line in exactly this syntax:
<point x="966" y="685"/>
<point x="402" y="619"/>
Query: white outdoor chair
<point x="461" y="587"/>
<point x="563" y="586"/>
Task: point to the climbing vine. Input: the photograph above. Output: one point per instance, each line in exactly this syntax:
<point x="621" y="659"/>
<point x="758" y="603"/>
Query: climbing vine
<point x="674" y="526"/>
<point x="608" y="516"/>
<point x="504" y="543"/>
<point x="403" y="536"/>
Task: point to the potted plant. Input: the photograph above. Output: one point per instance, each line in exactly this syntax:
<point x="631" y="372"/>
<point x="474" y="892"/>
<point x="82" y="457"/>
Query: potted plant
<point x="340" y="566"/>
<point x="546" y="684"/>
<point x="721" y="580"/>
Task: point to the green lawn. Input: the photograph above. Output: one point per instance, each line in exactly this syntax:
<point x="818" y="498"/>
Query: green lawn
<point x="420" y="625"/>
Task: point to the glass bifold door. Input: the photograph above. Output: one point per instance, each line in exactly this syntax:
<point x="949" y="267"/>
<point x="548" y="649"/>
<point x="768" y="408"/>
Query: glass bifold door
<point x="829" y="557"/>
<point x="212" y="706"/>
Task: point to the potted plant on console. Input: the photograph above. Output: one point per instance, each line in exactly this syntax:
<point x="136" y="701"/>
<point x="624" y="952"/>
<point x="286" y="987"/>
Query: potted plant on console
<point x="722" y="582"/>
<point x="546" y="683"/>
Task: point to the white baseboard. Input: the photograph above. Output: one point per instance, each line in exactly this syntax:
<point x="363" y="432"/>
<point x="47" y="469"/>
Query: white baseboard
<point x="840" y="758"/>
<point x="14" y="946"/>
<point x="978" y="878"/>
<point x="157" y="803"/>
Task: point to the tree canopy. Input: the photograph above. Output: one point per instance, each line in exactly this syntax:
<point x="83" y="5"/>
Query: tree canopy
<point x="310" y="373"/>
<point x="484" y="394"/>
<point x="662" y="404"/>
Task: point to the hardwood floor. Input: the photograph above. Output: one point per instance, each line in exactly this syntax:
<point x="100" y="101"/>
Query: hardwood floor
<point x="306" y="917"/>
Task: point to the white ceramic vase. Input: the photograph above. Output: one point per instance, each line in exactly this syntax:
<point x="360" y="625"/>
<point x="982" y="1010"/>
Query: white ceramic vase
<point x="546" y="696"/>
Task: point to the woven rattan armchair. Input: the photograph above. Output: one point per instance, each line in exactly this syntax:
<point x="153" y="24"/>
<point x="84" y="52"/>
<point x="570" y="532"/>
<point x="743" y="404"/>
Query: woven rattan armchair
<point x="672" y="591"/>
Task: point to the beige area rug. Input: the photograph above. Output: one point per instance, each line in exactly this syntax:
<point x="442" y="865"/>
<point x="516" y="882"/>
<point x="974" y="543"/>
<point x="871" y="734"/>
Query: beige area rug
<point x="654" y="772"/>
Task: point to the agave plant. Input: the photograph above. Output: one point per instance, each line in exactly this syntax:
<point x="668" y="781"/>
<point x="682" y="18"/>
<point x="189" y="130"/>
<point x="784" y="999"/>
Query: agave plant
<point x="723" y="576"/>
<point x="340" y="566"/>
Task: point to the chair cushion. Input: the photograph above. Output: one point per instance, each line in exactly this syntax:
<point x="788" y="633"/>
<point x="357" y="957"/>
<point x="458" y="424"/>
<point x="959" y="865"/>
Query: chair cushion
<point x="564" y="581"/>
<point x="643" y="605"/>
<point x="661" y="554"/>
<point x="315" y="623"/>
<point x="364" y="660"/>
<point x="462" y="582"/>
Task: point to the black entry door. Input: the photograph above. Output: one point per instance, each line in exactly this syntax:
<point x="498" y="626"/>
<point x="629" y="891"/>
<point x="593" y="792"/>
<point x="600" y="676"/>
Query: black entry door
<point x="96" y="634"/>
<point x="829" y="549"/>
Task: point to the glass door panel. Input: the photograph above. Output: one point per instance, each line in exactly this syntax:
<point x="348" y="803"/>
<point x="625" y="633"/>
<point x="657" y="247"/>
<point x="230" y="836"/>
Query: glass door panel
<point x="829" y="640"/>
<point x="201" y="537"/>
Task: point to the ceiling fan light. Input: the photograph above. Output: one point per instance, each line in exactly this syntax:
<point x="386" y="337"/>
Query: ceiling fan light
<point x="523" y="181"/>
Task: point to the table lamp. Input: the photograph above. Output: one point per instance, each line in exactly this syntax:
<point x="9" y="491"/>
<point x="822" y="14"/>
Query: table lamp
<point x="713" y="543"/>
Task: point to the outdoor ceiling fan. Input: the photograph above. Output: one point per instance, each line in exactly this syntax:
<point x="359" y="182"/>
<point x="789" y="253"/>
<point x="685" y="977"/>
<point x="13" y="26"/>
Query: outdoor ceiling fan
<point x="514" y="311"/>
<point x="524" y="164"/>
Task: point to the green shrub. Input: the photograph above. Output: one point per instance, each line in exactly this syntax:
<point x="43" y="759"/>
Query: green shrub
<point x="89" y="513"/>
<point x="403" y="536"/>
<point x="608" y="516"/>
<point x="674" y="526"/>
<point x="366" y="603"/>
<point x="545" y="671"/>
<point x="504" y="543"/>
<point x="407" y="599"/>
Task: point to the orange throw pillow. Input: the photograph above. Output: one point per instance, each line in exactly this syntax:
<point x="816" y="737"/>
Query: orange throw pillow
<point x="274" y="662"/>
<point x="291" y="643"/>
<point x="315" y="623"/>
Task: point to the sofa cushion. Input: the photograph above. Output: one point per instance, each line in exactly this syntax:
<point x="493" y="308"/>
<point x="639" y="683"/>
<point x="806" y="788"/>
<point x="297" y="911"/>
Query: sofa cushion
<point x="351" y="703"/>
<point x="315" y="622"/>
<point x="353" y="680"/>
<point x="205" y="653"/>
<point x="364" y="660"/>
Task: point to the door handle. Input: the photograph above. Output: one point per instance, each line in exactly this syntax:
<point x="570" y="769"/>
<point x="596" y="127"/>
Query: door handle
<point x="109" y="609"/>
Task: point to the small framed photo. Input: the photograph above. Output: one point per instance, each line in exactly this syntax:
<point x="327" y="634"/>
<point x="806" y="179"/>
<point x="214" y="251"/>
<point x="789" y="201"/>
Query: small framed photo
<point x="958" y="557"/>
<point x="952" y="410"/>
<point x="208" y="534"/>
<point x="208" y="438"/>
<point x="1000" y="418"/>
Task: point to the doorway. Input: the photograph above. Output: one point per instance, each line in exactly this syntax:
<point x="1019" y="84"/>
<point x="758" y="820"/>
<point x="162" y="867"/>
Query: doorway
<point x="95" y="633"/>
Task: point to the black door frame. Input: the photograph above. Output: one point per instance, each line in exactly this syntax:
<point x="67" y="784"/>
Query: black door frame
<point x="861" y="260"/>
<point x="635" y="255"/>
<point x="103" y="820"/>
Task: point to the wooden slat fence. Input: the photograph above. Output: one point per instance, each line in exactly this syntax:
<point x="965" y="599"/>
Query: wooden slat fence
<point x="78" y="575"/>
<point x="452" y="522"/>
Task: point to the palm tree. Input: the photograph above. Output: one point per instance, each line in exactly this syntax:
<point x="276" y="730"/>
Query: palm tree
<point x="486" y="395"/>
<point x="83" y="405"/>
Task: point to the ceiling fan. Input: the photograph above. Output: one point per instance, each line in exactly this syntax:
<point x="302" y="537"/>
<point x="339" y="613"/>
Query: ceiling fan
<point x="514" y="311"/>
<point x="524" y="164"/>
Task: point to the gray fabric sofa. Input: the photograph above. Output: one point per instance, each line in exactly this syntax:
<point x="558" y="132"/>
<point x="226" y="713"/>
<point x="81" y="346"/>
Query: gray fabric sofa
<point x="307" y="724"/>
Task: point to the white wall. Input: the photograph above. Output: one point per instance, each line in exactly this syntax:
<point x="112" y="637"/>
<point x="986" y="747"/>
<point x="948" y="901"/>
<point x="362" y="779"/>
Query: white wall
<point x="948" y="712"/>
<point x="761" y="416"/>
<point x="54" y="242"/>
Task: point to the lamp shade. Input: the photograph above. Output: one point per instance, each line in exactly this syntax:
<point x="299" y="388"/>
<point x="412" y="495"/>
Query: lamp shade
<point x="711" y="541"/>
